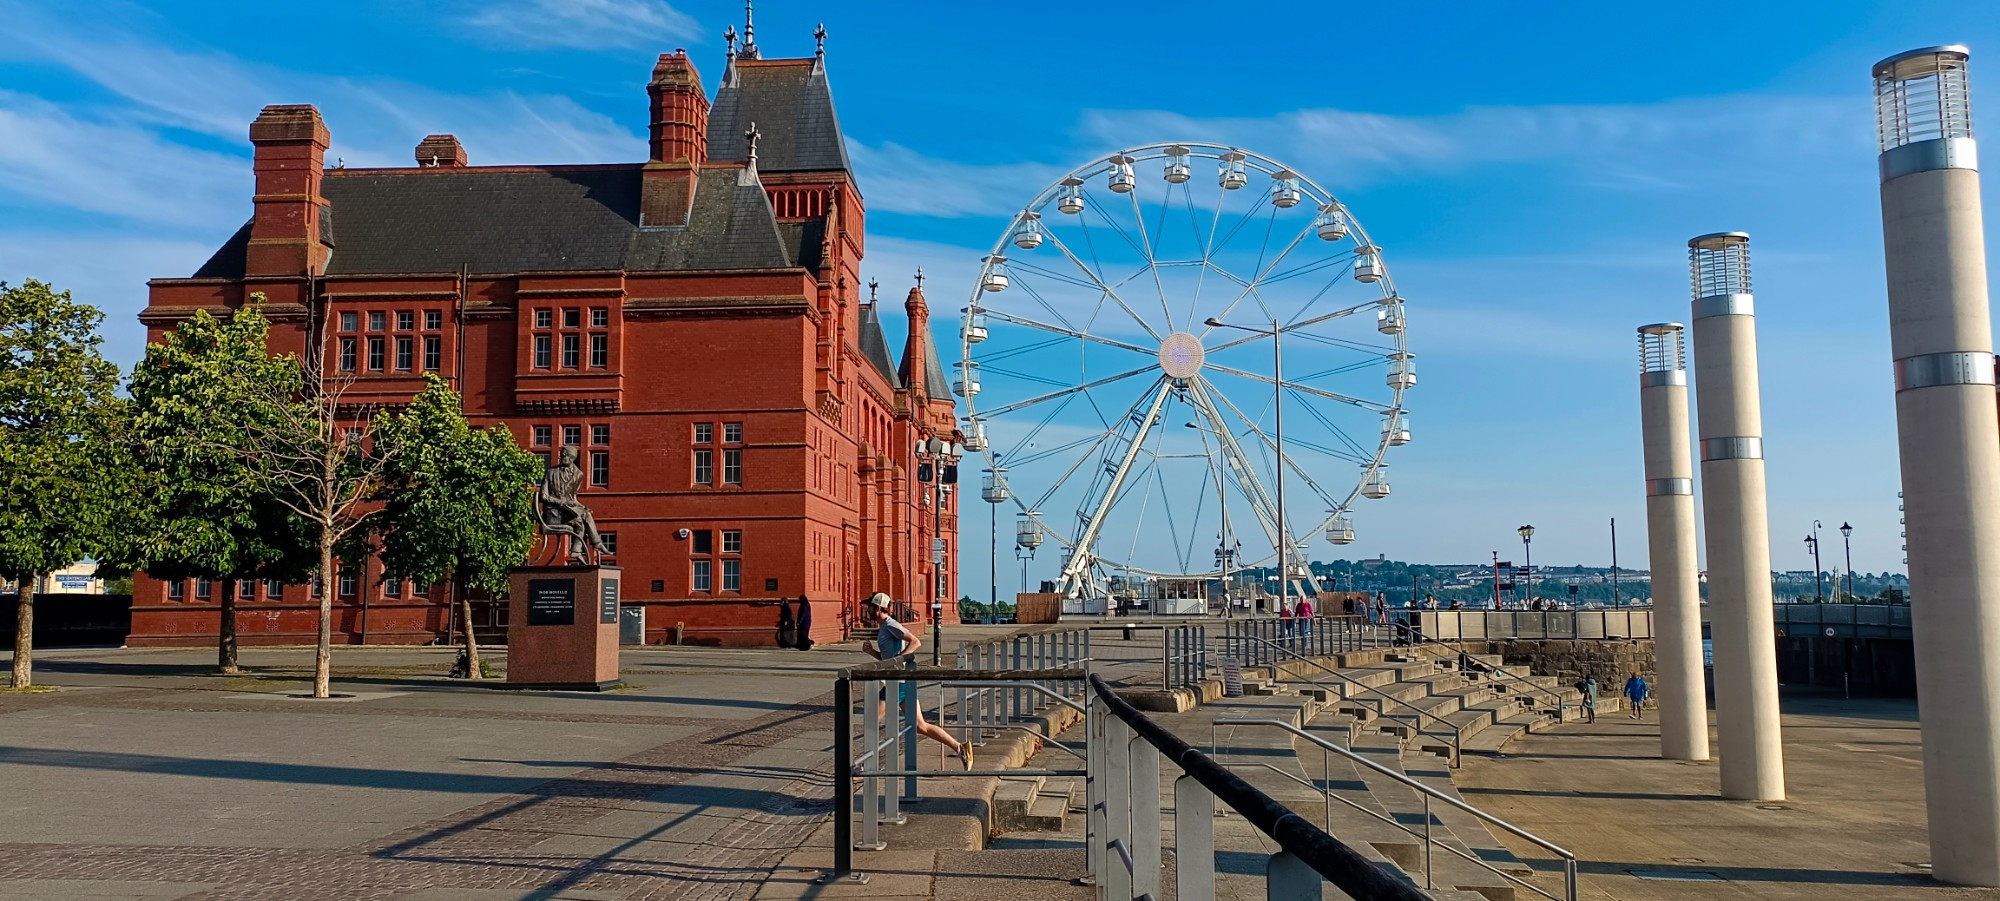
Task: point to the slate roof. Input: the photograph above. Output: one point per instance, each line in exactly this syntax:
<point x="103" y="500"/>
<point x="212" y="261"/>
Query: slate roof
<point x="875" y="347"/>
<point x="934" y="381"/>
<point x="552" y="219"/>
<point x="791" y="104"/>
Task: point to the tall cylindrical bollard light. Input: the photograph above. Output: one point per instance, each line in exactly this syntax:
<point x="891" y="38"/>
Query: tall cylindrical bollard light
<point x="1663" y="414"/>
<point x="1940" y="334"/>
<point x="1739" y="541"/>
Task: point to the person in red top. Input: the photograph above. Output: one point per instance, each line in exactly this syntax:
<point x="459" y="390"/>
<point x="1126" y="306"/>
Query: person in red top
<point x="1304" y="612"/>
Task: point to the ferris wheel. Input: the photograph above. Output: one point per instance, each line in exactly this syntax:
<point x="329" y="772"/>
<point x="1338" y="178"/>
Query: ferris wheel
<point x="1153" y="339"/>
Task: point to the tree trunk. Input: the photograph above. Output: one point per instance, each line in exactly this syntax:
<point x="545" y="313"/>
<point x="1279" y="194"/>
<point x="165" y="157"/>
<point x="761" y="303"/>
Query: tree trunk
<point x="323" y="650"/>
<point x="225" y="630"/>
<point x="24" y="633"/>
<point x="471" y="646"/>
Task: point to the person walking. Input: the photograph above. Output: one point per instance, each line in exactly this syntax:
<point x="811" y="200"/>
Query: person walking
<point x="1304" y="614"/>
<point x="893" y="641"/>
<point x="1635" y="691"/>
<point x="1587" y="686"/>
<point x="1285" y="622"/>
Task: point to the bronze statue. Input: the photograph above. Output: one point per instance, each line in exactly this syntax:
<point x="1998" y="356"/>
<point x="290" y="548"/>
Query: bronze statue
<point x="562" y="516"/>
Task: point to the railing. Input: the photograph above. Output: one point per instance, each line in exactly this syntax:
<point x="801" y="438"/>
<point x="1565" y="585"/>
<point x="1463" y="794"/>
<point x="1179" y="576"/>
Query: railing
<point x="1124" y="819"/>
<point x="1846" y="620"/>
<point x="1449" y="733"/>
<point x="1474" y="625"/>
<point x="983" y="711"/>
<point x="1415" y="638"/>
<point x="1427" y="793"/>
<point x="1317" y="635"/>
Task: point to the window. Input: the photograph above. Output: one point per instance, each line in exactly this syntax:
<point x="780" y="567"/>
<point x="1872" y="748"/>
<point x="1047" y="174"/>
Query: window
<point x="944" y="584"/>
<point x="406" y="321"/>
<point x="347" y="355"/>
<point x="600" y="434"/>
<point x="274" y="589"/>
<point x="543" y="434"/>
<point x="704" y="466"/>
<point x="732" y="433"/>
<point x="732" y="575"/>
<point x="770" y="584"/>
<point x="246" y="589"/>
<point x="378" y="321"/>
<point x="600" y="351"/>
<point x="610" y="542"/>
<point x="702" y="576"/>
<point x="732" y="467"/>
<point x="600" y="317"/>
<point x="704" y="433"/>
<point x="704" y="541"/>
<point x="348" y="321"/>
<point x="405" y="353"/>
<point x="600" y="468"/>
<point x="544" y="318"/>
<point x="392" y="588"/>
<point x="541" y="351"/>
<point x="422" y="591"/>
<point x="572" y="317"/>
<point x="572" y="434"/>
<point x="203" y="589"/>
<point x="375" y="354"/>
<point x="732" y="541"/>
<point x="433" y="320"/>
<point x="659" y="585"/>
<point x="571" y="352"/>
<point x="350" y="582"/>
<point x="317" y="591"/>
<point x="433" y="353"/>
<point x="177" y="590"/>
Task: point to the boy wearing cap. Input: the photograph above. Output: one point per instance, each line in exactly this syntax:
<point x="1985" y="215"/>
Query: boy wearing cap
<point x="894" y="640"/>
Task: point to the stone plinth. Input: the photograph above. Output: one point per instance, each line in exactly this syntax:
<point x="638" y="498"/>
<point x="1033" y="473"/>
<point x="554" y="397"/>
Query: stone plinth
<point x="562" y="628"/>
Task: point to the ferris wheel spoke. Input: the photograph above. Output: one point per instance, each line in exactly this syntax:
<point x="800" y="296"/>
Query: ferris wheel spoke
<point x="986" y="359"/>
<point x="1357" y="453"/>
<point x="1069" y="332"/>
<point x="1086" y="539"/>
<point x="1263" y="272"/>
<point x="1268" y="445"/>
<point x="1373" y="350"/>
<point x="1101" y="286"/>
<point x="1074" y="389"/>
<point x="1152" y="264"/>
<point x="1022" y="375"/>
<point x="1240" y="468"/>
<point x="1295" y="386"/>
<point x="1096" y="443"/>
<point x="1337" y="370"/>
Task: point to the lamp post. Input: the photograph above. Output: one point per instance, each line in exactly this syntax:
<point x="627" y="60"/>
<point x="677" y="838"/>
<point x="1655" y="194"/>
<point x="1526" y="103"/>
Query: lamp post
<point x="1222" y="550"/>
<point x="1812" y="541"/>
<point x="939" y="453"/>
<point x="1847" y="547"/>
<point x="1528" y="558"/>
<point x="1278" y="414"/>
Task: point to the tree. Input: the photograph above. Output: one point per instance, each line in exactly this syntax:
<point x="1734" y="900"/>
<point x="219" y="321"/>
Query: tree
<point x="60" y="424"/>
<point x="199" y="394"/>
<point x="310" y="456"/>
<point x="458" y="502"/>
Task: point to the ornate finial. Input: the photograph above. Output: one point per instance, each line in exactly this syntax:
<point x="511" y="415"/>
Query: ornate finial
<point x="750" y="135"/>
<point x="920" y="278"/>
<point x="729" y="37"/>
<point x="872" y="285"/>
<point x="749" y="30"/>
<point x="819" y="37"/>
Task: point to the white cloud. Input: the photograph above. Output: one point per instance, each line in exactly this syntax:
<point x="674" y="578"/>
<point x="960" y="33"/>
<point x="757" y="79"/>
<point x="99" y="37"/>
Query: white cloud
<point x="90" y="162"/>
<point x="583" y="24"/>
<point x="897" y="179"/>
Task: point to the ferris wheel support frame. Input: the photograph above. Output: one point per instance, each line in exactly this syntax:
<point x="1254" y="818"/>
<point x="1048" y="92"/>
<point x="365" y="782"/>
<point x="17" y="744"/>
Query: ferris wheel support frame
<point x="1087" y="539"/>
<point x="1239" y="468"/>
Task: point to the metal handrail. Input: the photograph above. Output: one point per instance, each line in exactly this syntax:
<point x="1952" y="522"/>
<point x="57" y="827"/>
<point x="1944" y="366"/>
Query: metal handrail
<point x="1568" y="857"/>
<point x="1465" y="657"/>
<point x="1456" y="755"/>
<point x="1332" y="859"/>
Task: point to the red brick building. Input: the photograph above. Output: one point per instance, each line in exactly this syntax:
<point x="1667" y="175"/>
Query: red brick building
<point x="695" y="324"/>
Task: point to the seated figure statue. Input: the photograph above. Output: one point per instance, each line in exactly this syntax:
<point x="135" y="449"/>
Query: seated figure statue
<point x="562" y="515"/>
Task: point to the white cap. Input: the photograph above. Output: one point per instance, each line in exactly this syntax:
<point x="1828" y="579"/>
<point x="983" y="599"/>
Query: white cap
<point x="880" y="600"/>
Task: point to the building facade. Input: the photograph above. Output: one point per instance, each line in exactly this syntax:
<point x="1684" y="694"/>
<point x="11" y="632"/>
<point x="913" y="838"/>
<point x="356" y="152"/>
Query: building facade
<point x="694" y="324"/>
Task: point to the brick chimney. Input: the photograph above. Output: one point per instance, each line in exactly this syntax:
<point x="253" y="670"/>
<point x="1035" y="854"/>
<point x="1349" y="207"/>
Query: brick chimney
<point x="680" y="111"/>
<point x="440" y="152"/>
<point x="290" y="143"/>
<point x="679" y="141"/>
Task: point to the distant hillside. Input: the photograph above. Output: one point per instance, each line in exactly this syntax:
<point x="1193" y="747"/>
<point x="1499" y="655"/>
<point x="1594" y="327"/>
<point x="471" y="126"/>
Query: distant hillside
<point x="1594" y="584"/>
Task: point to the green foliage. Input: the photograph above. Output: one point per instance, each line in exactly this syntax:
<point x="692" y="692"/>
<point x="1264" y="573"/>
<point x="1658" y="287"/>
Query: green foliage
<point x="458" y="501"/>
<point x="202" y="507"/>
<point x="60" y="420"/>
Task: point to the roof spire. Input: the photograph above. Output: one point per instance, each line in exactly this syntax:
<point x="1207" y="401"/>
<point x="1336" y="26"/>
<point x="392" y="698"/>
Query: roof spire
<point x="729" y="37"/>
<point x="750" y="136"/>
<point x="872" y="285"/>
<point x="920" y="278"/>
<point x="819" y="37"/>
<point x="749" y="31"/>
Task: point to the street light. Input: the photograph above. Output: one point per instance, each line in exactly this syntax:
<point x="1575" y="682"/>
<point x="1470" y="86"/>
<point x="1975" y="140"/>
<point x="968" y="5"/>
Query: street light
<point x="940" y="454"/>
<point x="1278" y="412"/>
<point x="1812" y="541"/>
<point x="1846" y="532"/>
<point x="1528" y="558"/>
<point x="1222" y="550"/>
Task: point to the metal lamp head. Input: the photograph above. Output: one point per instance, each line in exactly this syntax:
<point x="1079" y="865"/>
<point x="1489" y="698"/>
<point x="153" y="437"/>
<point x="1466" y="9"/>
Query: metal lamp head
<point x="1846" y="530"/>
<point x="1527" y="532"/>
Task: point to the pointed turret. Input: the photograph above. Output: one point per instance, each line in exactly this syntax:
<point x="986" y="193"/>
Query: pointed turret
<point x="921" y="370"/>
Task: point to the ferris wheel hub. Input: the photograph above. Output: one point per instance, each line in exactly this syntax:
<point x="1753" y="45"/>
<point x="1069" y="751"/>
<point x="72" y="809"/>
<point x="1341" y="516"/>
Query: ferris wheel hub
<point x="1181" y="355"/>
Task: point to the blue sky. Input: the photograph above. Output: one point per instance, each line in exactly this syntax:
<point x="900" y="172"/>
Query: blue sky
<point x="1533" y="179"/>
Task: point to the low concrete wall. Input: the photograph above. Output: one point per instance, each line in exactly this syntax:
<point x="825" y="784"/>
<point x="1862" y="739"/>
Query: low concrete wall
<point x="1610" y="660"/>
